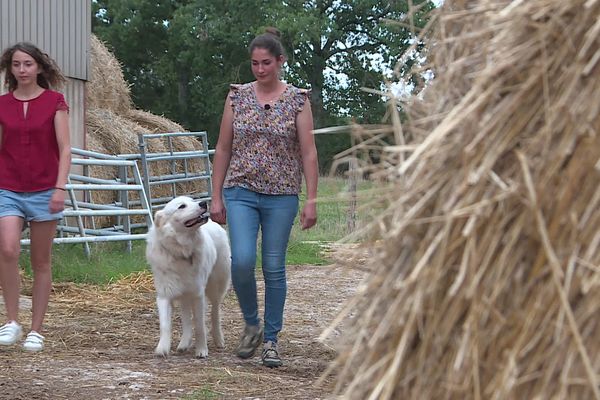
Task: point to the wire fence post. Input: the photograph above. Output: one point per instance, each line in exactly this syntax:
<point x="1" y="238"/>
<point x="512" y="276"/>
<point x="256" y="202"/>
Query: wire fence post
<point x="352" y="179"/>
<point x="145" y="173"/>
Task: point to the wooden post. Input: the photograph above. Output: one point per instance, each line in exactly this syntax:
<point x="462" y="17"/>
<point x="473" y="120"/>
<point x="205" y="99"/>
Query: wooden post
<point x="352" y="178"/>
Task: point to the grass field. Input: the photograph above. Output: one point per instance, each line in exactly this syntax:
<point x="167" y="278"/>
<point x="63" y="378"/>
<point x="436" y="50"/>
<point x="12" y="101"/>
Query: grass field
<point x="110" y="261"/>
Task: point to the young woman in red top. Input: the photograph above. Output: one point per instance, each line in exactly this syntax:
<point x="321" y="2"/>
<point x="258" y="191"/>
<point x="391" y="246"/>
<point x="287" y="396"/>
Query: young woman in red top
<point x="35" y="157"/>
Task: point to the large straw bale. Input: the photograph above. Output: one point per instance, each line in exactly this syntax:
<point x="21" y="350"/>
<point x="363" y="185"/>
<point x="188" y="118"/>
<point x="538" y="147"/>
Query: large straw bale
<point x="117" y="134"/>
<point x="486" y="282"/>
<point x="106" y="87"/>
<point x="154" y="123"/>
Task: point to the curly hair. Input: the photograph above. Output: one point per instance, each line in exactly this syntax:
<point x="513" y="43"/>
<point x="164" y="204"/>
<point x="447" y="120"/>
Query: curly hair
<point x="50" y="77"/>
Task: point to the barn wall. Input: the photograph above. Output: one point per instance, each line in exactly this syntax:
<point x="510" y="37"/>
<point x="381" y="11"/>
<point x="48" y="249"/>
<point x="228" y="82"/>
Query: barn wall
<point x="62" y="29"/>
<point x="59" y="27"/>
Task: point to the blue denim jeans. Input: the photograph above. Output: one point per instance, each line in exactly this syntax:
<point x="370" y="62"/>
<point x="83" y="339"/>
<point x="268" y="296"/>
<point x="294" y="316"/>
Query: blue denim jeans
<point x="247" y="211"/>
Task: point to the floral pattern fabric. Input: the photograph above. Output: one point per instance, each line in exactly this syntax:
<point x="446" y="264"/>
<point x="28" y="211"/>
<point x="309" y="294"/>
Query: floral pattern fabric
<point x="265" y="154"/>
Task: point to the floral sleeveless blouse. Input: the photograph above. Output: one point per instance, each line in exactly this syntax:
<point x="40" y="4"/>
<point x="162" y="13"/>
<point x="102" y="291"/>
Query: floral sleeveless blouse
<point x="265" y="153"/>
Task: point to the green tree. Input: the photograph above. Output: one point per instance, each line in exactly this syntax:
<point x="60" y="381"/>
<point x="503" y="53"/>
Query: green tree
<point x="180" y="56"/>
<point x="337" y="47"/>
<point x="137" y="32"/>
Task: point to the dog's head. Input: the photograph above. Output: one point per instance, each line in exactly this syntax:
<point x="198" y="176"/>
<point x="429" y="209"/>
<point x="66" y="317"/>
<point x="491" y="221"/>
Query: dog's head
<point x="182" y="214"/>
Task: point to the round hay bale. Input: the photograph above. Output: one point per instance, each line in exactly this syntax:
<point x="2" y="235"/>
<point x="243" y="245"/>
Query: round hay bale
<point x="117" y="134"/>
<point x="486" y="283"/>
<point x="106" y="88"/>
<point x="154" y="123"/>
<point x="113" y="127"/>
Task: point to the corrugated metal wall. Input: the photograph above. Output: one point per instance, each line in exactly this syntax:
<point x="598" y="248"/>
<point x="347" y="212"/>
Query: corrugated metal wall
<point x="62" y="29"/>
<point x="75" y="95"/>
<point x="59" y="27"/>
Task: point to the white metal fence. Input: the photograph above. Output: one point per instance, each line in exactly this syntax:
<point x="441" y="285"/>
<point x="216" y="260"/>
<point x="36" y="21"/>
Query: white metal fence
<point x="133" y="186"/>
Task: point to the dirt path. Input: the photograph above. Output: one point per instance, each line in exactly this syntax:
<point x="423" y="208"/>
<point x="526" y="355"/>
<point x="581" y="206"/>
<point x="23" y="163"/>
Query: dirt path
<point x="100" y="346"/>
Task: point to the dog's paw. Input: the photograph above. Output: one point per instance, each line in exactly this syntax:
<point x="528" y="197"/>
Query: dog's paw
<point x="183" y="347"/>
<point x="201" y="352"/>
<point x="161" y="353"/>
<point x="218" y="338"/>
<point x="220" y="344"/>
<point x="162" y="350"/>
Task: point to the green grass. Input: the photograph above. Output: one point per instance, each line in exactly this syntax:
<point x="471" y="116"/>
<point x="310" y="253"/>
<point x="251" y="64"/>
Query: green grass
<point x="205" y="393"/>
<point x="332" y="223"/>
<point x="110" y="261"/>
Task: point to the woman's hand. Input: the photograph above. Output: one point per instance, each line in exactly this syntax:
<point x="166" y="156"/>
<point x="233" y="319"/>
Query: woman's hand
<point x="57" y="201"/>
<point x="217" y="211"/>
<point x="308" y="217"/>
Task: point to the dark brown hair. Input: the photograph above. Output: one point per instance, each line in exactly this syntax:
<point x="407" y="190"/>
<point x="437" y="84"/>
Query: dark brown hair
<point x="270" y="41"/>
<point x="50" y="76"/>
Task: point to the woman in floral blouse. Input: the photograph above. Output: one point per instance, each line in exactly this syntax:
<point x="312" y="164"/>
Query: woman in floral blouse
<point x="265" y="146"/>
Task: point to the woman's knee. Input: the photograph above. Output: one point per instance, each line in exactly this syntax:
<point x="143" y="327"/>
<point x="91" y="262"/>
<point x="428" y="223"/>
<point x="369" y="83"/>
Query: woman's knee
<point x="9" y="251"/>
<point x="242" y="269"/>
<point x="275" y="275"/>
<point x="41" y="261"/>
<point x="41" y="267"/>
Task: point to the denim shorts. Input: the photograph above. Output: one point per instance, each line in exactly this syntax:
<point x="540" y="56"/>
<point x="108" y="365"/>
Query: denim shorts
<point x="31" y="206"/>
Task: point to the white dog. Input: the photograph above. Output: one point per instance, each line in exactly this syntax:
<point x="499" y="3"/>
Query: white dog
<point x="190" y="259"/>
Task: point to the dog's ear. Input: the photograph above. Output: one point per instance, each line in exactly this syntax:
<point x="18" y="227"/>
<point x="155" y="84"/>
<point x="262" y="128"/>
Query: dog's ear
<point x="158" y="219"/>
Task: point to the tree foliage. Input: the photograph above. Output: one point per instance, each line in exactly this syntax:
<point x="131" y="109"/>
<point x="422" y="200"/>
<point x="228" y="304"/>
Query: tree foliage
<point x="181" y="55"/>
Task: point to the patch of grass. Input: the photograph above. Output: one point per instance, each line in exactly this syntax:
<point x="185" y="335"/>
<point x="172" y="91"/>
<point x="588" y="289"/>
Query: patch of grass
<point x="109" y="261"/>
<point x="305" y="253"/>
<point x="332" y="222"/>
<point x="205" y="393"/>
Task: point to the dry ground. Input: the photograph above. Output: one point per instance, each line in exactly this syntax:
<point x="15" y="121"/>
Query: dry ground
<point x="100" y="344"/>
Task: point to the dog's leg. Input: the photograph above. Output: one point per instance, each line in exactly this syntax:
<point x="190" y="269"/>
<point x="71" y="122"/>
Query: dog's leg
<point x="217" y="333"/>
<point x="200" y="325"/>
<point x="165" y="310"/>
<point x="216" y="289"/>
<point x="186" y="323"/>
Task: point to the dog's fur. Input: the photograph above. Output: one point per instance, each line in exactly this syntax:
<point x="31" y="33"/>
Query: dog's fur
<point x="190" y="259"/>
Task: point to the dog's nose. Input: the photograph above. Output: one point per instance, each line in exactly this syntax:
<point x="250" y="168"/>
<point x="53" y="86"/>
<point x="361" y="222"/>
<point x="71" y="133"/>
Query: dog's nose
<point x="202" y="204"/>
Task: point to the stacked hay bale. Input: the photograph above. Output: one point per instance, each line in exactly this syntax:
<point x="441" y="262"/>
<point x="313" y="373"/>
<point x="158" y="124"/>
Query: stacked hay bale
<point x="106" y="88"/>
<point x="487" y="280"/>
<point x="113" y="126"/>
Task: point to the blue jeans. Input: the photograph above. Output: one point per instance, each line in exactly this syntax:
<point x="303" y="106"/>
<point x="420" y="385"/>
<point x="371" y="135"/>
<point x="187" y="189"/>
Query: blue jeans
<point x="247" y="211"/>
